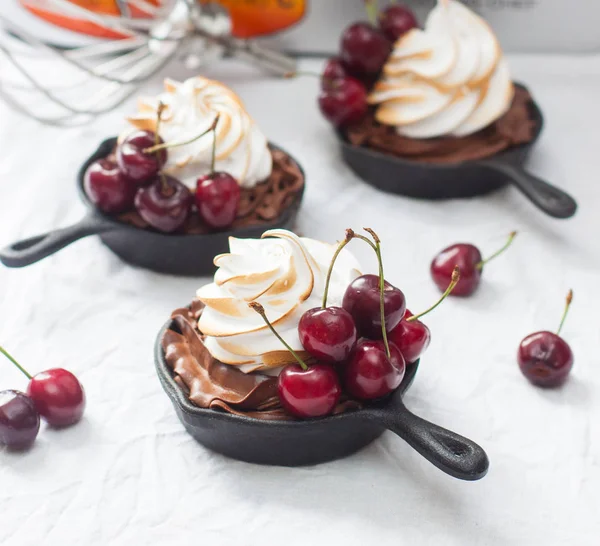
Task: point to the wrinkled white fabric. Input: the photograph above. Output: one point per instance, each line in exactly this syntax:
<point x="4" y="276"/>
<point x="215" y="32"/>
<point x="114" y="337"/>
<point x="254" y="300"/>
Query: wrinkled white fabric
<point x="130" y="474"/>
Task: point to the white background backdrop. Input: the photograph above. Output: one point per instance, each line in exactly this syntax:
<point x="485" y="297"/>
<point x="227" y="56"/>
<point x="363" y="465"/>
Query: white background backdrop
<point x="129" y="474"/>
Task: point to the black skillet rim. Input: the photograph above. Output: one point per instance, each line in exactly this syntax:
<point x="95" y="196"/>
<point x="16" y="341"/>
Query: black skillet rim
<point x="178" y="395"/>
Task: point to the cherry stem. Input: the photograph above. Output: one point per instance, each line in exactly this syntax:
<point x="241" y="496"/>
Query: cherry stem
<point x="371" y="7"/>
<point x="261" y="311"/>
<point x="381" y="289"/>
<point x="213" y="158"/>
<point x="565" y="313"/>
<point x="166" y="145"/>
<point x="7" y="355"/>
<point x="451" y="286"/>
<point x="511" y="237"/>
<point x="349" y="236"/>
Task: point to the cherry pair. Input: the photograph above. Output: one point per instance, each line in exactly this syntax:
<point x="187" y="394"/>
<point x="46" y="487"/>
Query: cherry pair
<point x="544" y="357"/>
<point x="363" y="52"/>
<point x="56" y="395"/>
<point x="134" y="180"/>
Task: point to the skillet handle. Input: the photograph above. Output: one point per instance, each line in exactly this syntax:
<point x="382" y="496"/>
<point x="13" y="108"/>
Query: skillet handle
<point x="450" y="452"/>
<point x="34" y="249"/>
<point x="550" y="199"/>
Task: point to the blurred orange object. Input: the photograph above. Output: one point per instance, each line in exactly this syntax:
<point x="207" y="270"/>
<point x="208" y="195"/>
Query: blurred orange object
<point x="249" y="17"/>
<point x="104" y="7"/>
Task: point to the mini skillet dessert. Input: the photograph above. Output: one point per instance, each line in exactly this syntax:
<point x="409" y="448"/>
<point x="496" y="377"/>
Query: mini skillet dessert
<point x="193" y="162"/>
<point x="441" y="94"/>
<point x="291" y="329"/>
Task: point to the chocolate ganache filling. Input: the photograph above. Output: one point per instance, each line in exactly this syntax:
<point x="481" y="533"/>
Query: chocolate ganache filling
<point x="211" y="384"/>
<point x="512" y="129"/>
<point x="261" y="204"/>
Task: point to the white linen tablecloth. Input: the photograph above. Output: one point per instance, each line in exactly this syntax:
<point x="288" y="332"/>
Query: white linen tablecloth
<point x="129" y="474"/>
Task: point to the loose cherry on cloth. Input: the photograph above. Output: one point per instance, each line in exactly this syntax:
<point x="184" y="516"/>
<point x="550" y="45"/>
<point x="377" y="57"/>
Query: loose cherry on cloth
<point x="545" y="358"/>
<point x="411" y="336"/>
<point x="108" y="188"/>
<point x="371" y="305"/>
<point x="57" y="394"/>
<point x="396" y="20"/>
<point x="470" y="262"/>
<point x="19" y="420"/>
<point x="328" y="333"/>
<point x="304" y="391"/>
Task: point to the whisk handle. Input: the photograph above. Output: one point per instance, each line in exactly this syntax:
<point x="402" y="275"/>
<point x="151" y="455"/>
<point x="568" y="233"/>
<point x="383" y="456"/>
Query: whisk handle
<point x="29" y="251"/>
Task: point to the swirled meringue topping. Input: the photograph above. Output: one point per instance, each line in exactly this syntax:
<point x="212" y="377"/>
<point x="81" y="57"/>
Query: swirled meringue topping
<point x="450" y="79"/>
<point x="283" y="272"/>
<point x="190" y="109"/>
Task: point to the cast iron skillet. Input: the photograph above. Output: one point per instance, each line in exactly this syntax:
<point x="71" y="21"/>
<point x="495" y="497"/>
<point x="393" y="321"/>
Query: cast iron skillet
<point x="298" y="443"/>
<point x="430" y="181"/>
<point x="175" y="254"/>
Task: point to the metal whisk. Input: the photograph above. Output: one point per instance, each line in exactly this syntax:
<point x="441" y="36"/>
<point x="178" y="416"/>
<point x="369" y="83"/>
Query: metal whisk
<point x="87" y="81"/>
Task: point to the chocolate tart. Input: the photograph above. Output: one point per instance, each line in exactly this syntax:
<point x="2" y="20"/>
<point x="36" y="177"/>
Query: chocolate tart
<point x="188" y="253"/>
<point x="269" y="437"/>
<point x="443" y="180"/>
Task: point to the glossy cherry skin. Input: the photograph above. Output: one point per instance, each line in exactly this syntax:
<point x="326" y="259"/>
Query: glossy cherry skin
<point x="327" y="334"/>
<point x="334" y="70"/>
<point x="58" y="396"/>
<point x="164" y="205"/>
<point x="362" y="301"/>
<point x="218" y="199"/>
<point x="134" y="163"/>
<point x="545" y="359"/>
<point x="412" y="338"/>
<point x="343" y="102"/>
<point x="108" y="188"/>
<point x="466" y="257"/>
<point x="19" y="420"/>
<point x="369" y="373"/>
<point x="309" y="393"/>
<point x="364" y="50"/>
<point x="396" y="20"/>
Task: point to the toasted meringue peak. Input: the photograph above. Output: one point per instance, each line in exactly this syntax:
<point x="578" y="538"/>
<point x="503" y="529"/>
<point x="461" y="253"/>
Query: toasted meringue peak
<point x="191" y="107"/>
<point x="286" y="275"/>
<point x="449" y="79"/>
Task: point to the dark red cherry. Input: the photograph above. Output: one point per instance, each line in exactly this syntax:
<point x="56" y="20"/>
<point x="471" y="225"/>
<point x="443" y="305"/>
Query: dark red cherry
<point x="364" y="50"/>
<point x="165" y="204"/>
<point x="19" y="420"/>
<point x="362" y="301"/>
<point x="218" y="199"/>
<point x="327" y="334"/>
<point x="412" y="338"/>
<point x="309" y="393"/>
<point x="334" y="70"/>
<point x="369" y="373"/>
<point x="344" y="102"/>
<point x="545" y="359"/>
<point x="396" y="20"/>
<point x="468" y="259"/>
<point x="58" y="395"/>
<point x="138" y="165"/>
<point x="108" y="188"/>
